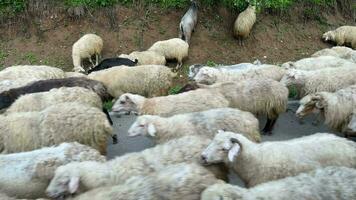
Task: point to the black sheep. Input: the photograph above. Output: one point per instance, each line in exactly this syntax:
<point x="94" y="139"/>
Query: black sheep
<point x="112" y="62"/>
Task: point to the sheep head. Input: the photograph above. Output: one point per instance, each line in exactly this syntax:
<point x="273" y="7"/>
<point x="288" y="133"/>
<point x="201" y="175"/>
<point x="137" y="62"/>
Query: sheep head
<point x="310" y="104"/>
<point x="293" y="77"/>
<point x="225" y="147"/>
<point x="206" y="75"/>
<point x="351" y="127"/>
<point x="143" y="126"/>
<point x="65" y="181"/>
<point x="128" y="103"/>
<point x="328" y="36"/>
<point x="193" y="70"/>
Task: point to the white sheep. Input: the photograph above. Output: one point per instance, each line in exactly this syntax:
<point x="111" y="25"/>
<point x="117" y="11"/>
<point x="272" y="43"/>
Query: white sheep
<point x="244" y="23"/>
<point x="27" y="174"/>
<point x="257" y="163"/>
<point x="258" y="96"/>
<point x="205" y="123"/>
<point x="147" y="80"/>
<point x="175" y="48"/>
<point x="340" y="52"/>
<point x="90" y="175"/>
<point x="41" y="100"/>
<point x="175" y="182"/>
<point x="210" y="75"/>
<point x="40" y="72"/>
<point x="321" y="62"/>
<point x="146" y="57"/>
<point x="336" y="107"/>
<point x="342" y="35"/>
<point x="322" y="80"/>
<point x="86" y="47"/>
<point x="59" y="123"/>
<point x="74" y="74"/>
<point x="332" y="183"/>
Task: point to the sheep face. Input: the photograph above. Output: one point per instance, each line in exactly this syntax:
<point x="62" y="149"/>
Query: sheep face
<point x="351" y="127"/>
<point x="292" y="77"/>
<point x="193" y="70"/>
<point x="206" y="75"/>
<point x="310" y="104"/>
<point x="224" y="148"/>
<point x="64" y="182"/>
<point x="143" y="126"/>
<point x="328" y="36"/>
<point x="125" y="104"/>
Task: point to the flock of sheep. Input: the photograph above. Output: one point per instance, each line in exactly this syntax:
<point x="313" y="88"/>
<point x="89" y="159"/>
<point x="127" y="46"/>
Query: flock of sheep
<point x="54" y="128"/>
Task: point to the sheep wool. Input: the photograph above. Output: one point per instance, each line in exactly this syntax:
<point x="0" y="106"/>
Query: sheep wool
<point x="40" y="72"/>
<point x="86" y="47"/>
<point x="147" y="80"/>
<point x="205" y="123"/>
<point x="41" y="100"/>
<point x="117" y="171"/>
<point x="66" y="122"/>
<point x="146" y="57"/>
<point x="244" y="22"/>
<point x="342" y="35"/>
<point x="257" y="163"/>
<point x="332" y="183"/>
<point x="27" y="174"/>
<point x="340" y="52"/>
<point x="175" y="182"/>
<point x="175" y="48"/>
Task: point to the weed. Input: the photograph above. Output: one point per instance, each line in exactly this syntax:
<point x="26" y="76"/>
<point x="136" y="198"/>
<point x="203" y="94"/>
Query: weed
<point x="211" y="63"/>
<point x="3" y="56"/>
<point x="31" y="58"/>
<point x="108" y="105"/>
<point x="175" y="89"/>
<point x="293" y="92"/>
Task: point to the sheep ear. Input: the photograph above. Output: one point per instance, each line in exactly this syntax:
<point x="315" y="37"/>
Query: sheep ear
<point x="233" y="152"/>
<point x="151" y="129"/>
<point x="73" y="184"/>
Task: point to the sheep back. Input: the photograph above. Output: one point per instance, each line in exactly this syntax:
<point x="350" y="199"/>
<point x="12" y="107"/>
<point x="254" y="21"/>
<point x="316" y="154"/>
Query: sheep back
<point x="244" y="22"/>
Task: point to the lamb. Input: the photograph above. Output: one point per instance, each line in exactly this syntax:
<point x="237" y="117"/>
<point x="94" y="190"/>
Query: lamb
<point x="322" y="80"/>
<point x="244" y="23"/>
<point x="340" y="52"/>
<point x="175" y="48"/>
<point x="332" y="183"/>
<point x="90" y="174"/>
<point x="146" y="57"/>
<point x="175" y="182"/>
<point x="59" y="123"/>
<point x="111" y="62"/>
<point x="27" y="174"/>
<point x="10" y="96"/>
<point x="210" y="75"/>
<point x="335" y="107"/>
<point x="342" y="35"/>
<point x="258" y="96"/>
<point x="147" y="80"/>
<point x="188" y="22"/>
<point x="86" y="47"/>
<point x="205" y="123"/>
<point x="41" y="100"/>
<point x="321" y="62"/>
<point x="259" y="163"/>
<point x="40" y="72"/>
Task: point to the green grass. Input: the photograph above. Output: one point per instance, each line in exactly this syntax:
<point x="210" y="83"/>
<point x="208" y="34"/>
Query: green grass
<point x="211" y="63"/>
<point x="31" y="58"/>
<point x="3" y="56"/>
<point x="175" y="89"/>
<point x="293" y="92"/>
<point x="108" y="105"/>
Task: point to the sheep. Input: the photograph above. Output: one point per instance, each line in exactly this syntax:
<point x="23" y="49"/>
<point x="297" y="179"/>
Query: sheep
<point x="40" y="72"/>
<point x="41" y="100"/>
<point x="175" y="48"/>
<point x="59" y="123"/>
<point x="147" y="80"/>
<point x="244" y="23"/>
<point x="188" y="87"/>
<point x="146" y="57"/>
<point x="258" y="96"/>
<point x="9" y="84"/>
<point x="74" y="74"/>
<point x="342" y="35"/>
<point x="340" y="52"/>
<point x="205" y="123"/>
<point x="112" y="62"/>
<point x="336" y="107"/>
<point x="351" y="127"/>
<point x="322" y="80"/>
<point x="27" y="174"/>
<point x="188" y="22"/>
<point x="92" y="174"/>
<point x="210" y="75"/>
<point x="332" y="183"/>
<point x="86" y="47"/>
<point x="175" y="182"/>
<point x="194" y="69"/>
<point x="10" y="96"/>
<point x="321" y="62"/>
<point x="257" y="163"/>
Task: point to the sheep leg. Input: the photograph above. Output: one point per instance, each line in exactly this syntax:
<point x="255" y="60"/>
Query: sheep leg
<point x="114" y="137"/>
<point x="267" y="130"/>
<point x="179" y="64"/>
<point x="96" y="59"/>
<point x="91" y="61"/>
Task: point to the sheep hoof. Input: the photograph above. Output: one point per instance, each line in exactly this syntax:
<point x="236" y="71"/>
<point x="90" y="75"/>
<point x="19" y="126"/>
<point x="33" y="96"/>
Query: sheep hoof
<point x="264" y="132"/>
<point x="114" y="139"/>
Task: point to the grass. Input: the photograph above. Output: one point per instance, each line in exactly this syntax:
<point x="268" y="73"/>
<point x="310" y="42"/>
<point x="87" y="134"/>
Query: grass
<point x="211" y="63"/>
<point x="30" y="58"/>
<point x="3" y="56"/>
<point x="293" y="92"/>
<point x="108" y="105"/>
<point x="175" y="89"/>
